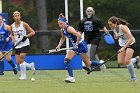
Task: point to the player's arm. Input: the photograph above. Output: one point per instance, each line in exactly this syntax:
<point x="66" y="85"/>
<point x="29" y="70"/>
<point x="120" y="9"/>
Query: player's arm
<point x="12" y="34"/>
<point x="74" y="32"/>
<point x="102" y="26"/>
<point x="31" y="32"/>
<point x="62" y="40"/>
<point x="105" y="30"/>
<point x="115" y="36"/>
<point x="129" y="35"/>
<point x="8" y="28"/>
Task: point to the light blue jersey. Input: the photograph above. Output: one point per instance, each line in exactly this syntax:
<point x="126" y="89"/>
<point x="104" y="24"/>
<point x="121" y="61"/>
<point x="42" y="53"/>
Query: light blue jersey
<point x="3" y="35"/>
<point x="82" y="46"/>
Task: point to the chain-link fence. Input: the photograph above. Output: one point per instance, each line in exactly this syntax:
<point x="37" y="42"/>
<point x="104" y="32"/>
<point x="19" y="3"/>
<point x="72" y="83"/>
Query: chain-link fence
<point x="52" y="38"/>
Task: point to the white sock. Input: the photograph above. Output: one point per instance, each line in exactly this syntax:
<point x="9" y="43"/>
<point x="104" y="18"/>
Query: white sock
<point x="27" y="65"/>
<point x="131" y="70"/>
<point x="133" y="60"/>
<point x="23" y="69"/>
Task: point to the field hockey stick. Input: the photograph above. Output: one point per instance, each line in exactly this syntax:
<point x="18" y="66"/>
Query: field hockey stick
<point x="4" y="46"/>
<point x="55" y="50"/>
<point x="6" y="53"/>
<point x="92" y="69"/>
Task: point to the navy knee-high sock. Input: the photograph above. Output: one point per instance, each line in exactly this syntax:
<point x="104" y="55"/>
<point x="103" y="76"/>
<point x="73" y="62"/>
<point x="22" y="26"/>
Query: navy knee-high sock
<point x="95" y="63"/>
<point x="69" y="69"/>
<point x="1" y="66"/>
<point x="12" y="63"/>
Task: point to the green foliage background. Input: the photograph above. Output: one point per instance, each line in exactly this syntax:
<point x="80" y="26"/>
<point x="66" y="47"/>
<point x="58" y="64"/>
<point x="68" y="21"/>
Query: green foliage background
<point x="126" y="9"/>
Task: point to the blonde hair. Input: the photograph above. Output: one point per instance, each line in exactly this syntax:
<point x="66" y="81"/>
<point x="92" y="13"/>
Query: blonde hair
<point x="16" y="12"/>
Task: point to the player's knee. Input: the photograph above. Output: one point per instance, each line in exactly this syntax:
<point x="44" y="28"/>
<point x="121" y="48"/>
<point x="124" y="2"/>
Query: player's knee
<point x="66" y="60"/>
<point x="127" y="61"/>
<point x="120" y="62"/>
<point x="8" y="59"/>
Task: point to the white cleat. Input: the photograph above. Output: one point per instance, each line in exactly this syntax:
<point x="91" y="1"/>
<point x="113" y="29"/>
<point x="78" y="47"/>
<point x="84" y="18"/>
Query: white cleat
<point x="22" y="78"/>
<point x="33" y="68"/>
<point x="102" y="67"/>
<point x="137" y="62"/>
<point x="70" y="80"/>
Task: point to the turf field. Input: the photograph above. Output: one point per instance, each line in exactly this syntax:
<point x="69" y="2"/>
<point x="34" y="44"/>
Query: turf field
<point x="52" y="81"/>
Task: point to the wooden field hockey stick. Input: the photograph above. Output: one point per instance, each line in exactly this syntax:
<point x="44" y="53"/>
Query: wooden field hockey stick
<point x="10" y="50"/>
<point x="54" y="50"/>
<point x="92" y="69"/>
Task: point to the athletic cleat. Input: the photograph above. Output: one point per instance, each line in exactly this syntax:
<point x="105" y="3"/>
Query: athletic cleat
<point x="15" y="70"/>
<point x="33" y="68"/>
<point x="70" y="80"/>
<point x="102" y="67"/>
<point x="137" y="62"/>
<point x="2" y="73"/>
<point x="133" y="79"/>
<point x="22" y="78"/>
<point x="86" y="68"/>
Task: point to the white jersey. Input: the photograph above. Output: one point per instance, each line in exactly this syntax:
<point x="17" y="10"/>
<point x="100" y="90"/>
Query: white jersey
<point x="122" y="36"/>
<point x="19" y="33"/>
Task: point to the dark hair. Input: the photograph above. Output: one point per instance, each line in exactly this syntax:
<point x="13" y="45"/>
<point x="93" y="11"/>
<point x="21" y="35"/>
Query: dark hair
<point x="117" y="20"/>
<point x="61" y="15"/>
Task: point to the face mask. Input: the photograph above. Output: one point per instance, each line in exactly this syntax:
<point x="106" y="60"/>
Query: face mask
<point x="90" y="12"/>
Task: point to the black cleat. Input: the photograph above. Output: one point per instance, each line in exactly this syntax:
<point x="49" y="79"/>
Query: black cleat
<point x="15" y="70"/>
<point x="2" y="73"/>
<point x="86" y="68"/>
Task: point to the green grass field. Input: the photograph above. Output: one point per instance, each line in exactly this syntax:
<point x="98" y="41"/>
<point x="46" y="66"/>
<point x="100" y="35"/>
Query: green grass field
<point x="52" y="81"/>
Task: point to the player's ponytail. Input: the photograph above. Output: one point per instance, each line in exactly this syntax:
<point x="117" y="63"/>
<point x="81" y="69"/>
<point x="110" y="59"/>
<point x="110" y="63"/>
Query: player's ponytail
<point x="122" y="21"/>
<point x="117" y="20"/>
<point x="61" y="15"/>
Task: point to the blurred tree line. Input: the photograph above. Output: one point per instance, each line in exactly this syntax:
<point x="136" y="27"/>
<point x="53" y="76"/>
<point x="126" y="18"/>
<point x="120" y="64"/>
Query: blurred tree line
<point x="42" y="15"/>
<point x="126" y="9"/>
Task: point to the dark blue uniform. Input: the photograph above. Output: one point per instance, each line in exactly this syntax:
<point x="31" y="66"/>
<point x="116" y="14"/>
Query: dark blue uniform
<point x="91" y="28"/>
<point x="3" y="35"/>
<point x="82" y="46"/>
<point x="5" y="46"/>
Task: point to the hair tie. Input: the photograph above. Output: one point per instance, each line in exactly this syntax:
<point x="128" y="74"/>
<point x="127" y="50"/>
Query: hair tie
<point x="62" y="19"/>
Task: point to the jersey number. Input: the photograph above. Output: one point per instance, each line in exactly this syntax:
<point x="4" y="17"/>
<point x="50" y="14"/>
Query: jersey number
<point x="72" y="41"/>
<point x="88" y="27"/>
<point x="1" y="38"/>
<point x="18" y="35"/>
